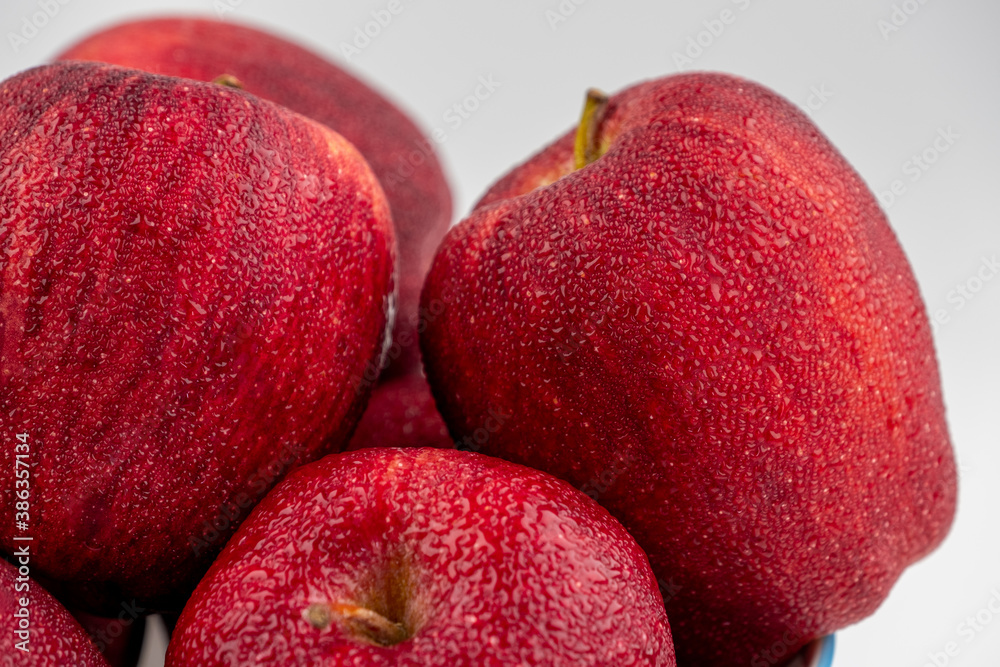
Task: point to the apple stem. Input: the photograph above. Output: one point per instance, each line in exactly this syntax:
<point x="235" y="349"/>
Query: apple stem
<point x="360" y="621"/>
<point x="229" y="81"/>
<point x="587" y="148"/>
<point x="318" y="616"/>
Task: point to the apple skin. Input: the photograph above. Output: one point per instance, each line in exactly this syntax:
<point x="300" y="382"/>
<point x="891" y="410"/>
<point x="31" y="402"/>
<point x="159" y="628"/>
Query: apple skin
<point x="401" y="413"/>
<point x="283" y="72"/>
<point x="190" y="276"/>
<point x="483" y="563"/>
<point x="712" y="329"/>
<point x="119" y="640"/>
<point x="55" y="639"/>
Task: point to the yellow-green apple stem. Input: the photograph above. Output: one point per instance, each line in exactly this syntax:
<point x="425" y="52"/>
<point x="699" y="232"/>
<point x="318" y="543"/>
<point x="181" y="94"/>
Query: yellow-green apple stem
<point x="587" y="148"/>
<point x="228" y="80"/>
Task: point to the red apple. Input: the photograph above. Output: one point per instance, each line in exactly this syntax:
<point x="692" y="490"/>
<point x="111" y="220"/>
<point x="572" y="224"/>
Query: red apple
<point x="694" y="310"/>
<point x="189" y="278"/>
<point x="38" y="631"/>
<point x="283" y="72"/>
<point x="119" y="638"/>
<point x="401" y="413"/>
<point x="425" y="557"/>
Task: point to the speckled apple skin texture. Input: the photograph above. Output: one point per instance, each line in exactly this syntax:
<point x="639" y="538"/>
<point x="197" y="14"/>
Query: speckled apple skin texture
<point x="401" y="413"/>
<point x="504" y="566"/>
<point x="189" y="278"/>
<point x="283" y="72"/>
<point x="714" y="331"/>
<point x="55" y="639"/>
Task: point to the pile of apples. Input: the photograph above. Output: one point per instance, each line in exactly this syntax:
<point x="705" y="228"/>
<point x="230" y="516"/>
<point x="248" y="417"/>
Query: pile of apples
<point x="683" y="357"/>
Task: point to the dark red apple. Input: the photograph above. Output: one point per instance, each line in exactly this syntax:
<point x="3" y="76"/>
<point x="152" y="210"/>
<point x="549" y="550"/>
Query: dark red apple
<point x="276" y="69"/>
<point x="694" y="310"/>
<point x="189" y="278"/>
<point x="119" y="639"/>
<point x="425" y="557"/>
<point x="401" y="413"/>
<point x="38" y="631"/>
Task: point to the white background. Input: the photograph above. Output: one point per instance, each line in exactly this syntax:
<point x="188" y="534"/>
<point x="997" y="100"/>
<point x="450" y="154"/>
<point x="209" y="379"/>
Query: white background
<point x="887" y="96"/>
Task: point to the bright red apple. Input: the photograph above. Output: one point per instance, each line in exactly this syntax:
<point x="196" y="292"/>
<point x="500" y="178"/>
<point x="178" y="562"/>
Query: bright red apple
<point x="401" y="413"/>
<point x="425" y="557"/>
<point x="283" y="72"/>
<point x="189" y="278"/>
<point x="37" y="631"/>
<point x="695" y="311"/>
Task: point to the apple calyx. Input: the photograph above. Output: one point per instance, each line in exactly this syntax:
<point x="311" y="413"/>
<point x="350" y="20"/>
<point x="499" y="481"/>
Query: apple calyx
<point x="362" y="623"/>
<point x="587" y="147"/>
<point x="228" y="80"/>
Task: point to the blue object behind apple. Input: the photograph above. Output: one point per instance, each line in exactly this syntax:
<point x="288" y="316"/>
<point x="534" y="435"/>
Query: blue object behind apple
<point x="826" y="652"/>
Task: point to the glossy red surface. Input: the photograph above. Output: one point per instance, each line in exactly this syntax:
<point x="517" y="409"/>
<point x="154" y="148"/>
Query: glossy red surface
<point x="401" y="413"/>
<point x="54" y="638"/>
<point x="189" y="279"/>
<point x="712" y="330"/>
<point x="403" y="160"/>
<point x="486" y="564"/>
